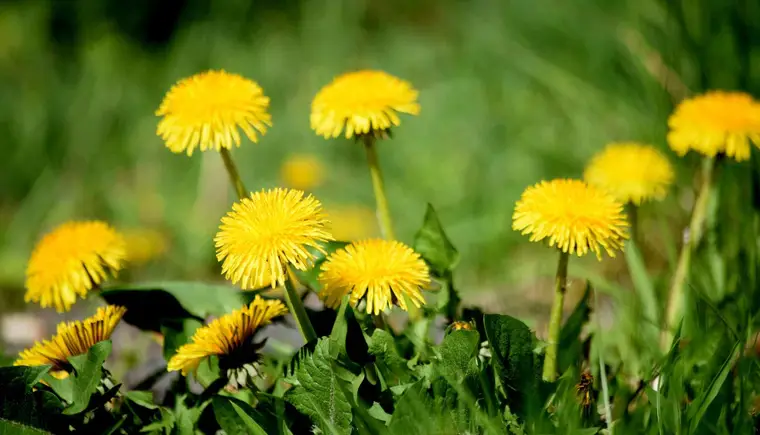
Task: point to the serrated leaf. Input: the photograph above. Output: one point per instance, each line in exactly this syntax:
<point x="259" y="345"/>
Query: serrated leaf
<point x="20" y="404"/>
<point x="458" y="351"/>
<point x="82" y="383"/>
<point x="14" y="428"/>
<point x="173" y="300"/>
<point x="393" y="367"/>
<point x="185" y="417"/>
<point x="319" y="394"/>
<point x="432" y="243"/>
<point x="236" y="417"/>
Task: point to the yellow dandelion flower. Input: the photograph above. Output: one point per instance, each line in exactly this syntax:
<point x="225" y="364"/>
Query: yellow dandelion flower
<point x="353" y="222"/>
<point x="207" y="109"/>
<point x="386" y="272"/>
<point x="72" y="339"/>
<point x="714" y="123"/>
<point x="575" y="217"/>
<point x="462" y="326"/>
<point x="302" y="171"/>
<point x="264" y="233"/>
<point x="70" y="261"/>
<point x="229" y="337"/>
<point x="362" y="102"/>
<point x="632" y="172"/>
<point x="144" y="245"/>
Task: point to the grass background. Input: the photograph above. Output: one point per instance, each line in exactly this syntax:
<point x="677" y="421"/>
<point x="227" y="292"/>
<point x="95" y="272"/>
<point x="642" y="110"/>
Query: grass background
<point x="512" y="92"/>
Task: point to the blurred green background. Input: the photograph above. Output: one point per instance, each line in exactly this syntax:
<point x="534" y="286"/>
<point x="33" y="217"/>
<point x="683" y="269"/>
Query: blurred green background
<point x="512" y="92"/>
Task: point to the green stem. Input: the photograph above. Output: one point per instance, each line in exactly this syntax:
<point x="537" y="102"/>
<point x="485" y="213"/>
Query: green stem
<point x="295" y="305"/>
<point x="383" y="212"/>
<point x="229" y="164"/>
<point x="633" y="219"/>
<point x="555" y="321"/>
<point x="696" y="226"/>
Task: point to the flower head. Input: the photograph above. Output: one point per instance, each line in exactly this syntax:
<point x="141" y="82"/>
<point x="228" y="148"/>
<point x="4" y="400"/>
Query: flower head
<point x="303" y="172"/>
<point x="264" y="233"/>
<point x="70" y="261"/>
<point x="386" y="272"/>
<point x="72" y="339"/>
<point x="632" y="172"/>
<point x="461" y="326"/>
<point x="362" y="102"/>
<point x="574" y="216"/>
<point x="716" y="122"/>
<point x="229" y="337"/>
<point x="207" y="109"/>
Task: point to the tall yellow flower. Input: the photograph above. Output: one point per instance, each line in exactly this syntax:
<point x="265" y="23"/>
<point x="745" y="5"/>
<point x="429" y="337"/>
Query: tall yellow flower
<point x="714" y="123"/>
<point x="229" y="337"/>
<point x="266" y="232"/>
<point x="362" y="102"/>
<point x="302" y="171"/>
<point x="385" y="272"/>
<point x="575" y="217"/>
<point x="632" y="172"/>
<point x="207" y="109"/>
<point x="72" y="339"/>
<point x="70" y="261"/>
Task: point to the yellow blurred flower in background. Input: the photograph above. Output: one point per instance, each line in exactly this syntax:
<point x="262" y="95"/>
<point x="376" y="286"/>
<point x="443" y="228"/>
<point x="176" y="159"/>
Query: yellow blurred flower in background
<point x="266" y="232"/>
<point x="716" y="122"/>
<point x="71" y="260"/>
<point x="383" y="272"/>
<point x="352" y="222"/>
<point x="72" y="339"/>
<point x="632" y="172"/>
<point x="207" y="109"/>
<point x="302" y="171"/>
<point x="575" y="217"/>
<point x="229" y="337"/>
<point x="362" y="102"/>
<point x="144" y="244"/>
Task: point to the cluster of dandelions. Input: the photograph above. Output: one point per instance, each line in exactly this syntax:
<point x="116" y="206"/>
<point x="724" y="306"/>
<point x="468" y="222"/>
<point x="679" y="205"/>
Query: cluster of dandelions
<point x="582" y="216"/>
<point x="264" y="238"/>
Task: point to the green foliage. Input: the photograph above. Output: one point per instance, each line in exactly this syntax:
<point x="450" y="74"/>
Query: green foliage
<point x="82" y="383"/>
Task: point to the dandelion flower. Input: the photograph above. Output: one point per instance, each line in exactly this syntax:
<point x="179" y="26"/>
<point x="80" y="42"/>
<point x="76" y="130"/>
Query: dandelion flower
<point x="207" y="109"/>
<point x="575" y="217"/>
<point x="266" y="232"/>
<point x="714" y="123"/>
<point x="461" y="326"/>
<point x="386" y="272"/>
<point x="362" y="102"/>
<point x="302" y="171"/>
<point x="229" y="337"/>
<point x="72" y="339"/>
<point x="70" y="261"/>
<point x="632" y="172"/>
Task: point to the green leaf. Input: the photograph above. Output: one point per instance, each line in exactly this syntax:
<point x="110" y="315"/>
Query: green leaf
<point x="420" y="412"/>
<point x="19" y="403"/>
<point x="458" y="351"/>
<point x="434" y="246"/>
<point x="393" y="367"/>
<point x="379" y="413"/>
<point x="339" y="331"/>
<point x="173" y="300"/>
<point x="236" y="417"/>
<point x="14" y="428"/>
<point x="701" y="403"/>
<point x="164" y="424"/>
<point x="141" y="398"/>
<point x="84" y="380"/>
<point x="186" y="417"/>
<point x="642" y="283"/>
<point x="319" y="393"/>
<point x="177" y="331"/>
<point x="570" y="345"/>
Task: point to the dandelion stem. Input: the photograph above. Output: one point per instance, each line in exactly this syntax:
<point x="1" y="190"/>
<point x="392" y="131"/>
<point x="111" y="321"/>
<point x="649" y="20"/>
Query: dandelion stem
<point x="383" y="212"/>
<point x="676" y="296"/>
<point x="295" y="305"/>
<point x="555" y="321"/>
<point x="229" y="164"/>
<point x="633" y="219"/>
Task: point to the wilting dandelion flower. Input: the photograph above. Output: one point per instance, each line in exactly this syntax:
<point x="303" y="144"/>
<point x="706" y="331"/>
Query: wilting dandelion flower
<point x="385" y="272"/>
<point x="69" y="261"/>
<point x="207" y="109"/>
<point x="632" y="172"/>
<point x="575" y="217"/>
<point x="72" y="339"/>
<point x="362" y="102"/>
<point x="302" y="171"/>
<point x="230" y="337"/>
<point x="266" y="232"/>
<point x="714" y="123"/>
